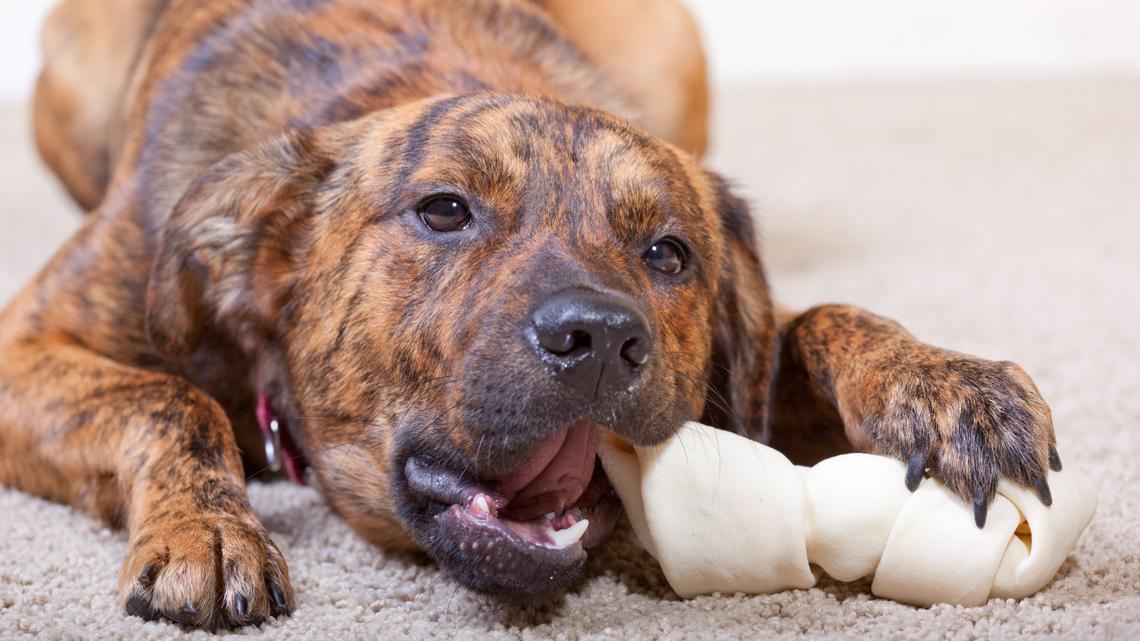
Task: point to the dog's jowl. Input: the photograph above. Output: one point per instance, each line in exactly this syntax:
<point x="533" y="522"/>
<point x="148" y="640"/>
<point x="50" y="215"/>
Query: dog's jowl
<point x="432" y="249"/>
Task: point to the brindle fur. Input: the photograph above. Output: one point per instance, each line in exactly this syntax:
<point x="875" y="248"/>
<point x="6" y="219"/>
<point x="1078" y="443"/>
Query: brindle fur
<point x="252" y="165"/>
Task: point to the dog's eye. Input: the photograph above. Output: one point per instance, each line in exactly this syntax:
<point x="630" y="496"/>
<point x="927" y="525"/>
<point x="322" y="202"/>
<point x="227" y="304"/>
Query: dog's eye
<point x="445" y="213"/>
<point x="666" y="256"/>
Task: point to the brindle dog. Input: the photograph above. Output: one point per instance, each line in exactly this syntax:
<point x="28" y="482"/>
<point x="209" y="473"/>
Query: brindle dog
<point x="422" y="233"/>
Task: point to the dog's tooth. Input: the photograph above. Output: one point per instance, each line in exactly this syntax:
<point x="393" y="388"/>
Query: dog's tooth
<point x="550" y="516"/>
<point x="480" y="506"/>
<point x="569" y="536"/>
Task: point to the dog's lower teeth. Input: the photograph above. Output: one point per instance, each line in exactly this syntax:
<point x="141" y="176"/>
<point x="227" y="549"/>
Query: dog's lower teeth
<point x="569" y="536"/>
<point x="550" y="516"/>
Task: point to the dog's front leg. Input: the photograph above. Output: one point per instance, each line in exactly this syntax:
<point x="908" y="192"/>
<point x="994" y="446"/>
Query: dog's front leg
<point x="966" y="420"/>
<point x="153" y="452"/>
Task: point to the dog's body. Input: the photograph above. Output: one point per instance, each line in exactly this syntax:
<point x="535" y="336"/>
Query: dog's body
<point x="390" y="219"/>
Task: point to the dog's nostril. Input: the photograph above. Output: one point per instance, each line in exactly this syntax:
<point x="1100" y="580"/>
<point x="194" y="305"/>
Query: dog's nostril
<point x="635" y="352"/>
<point x="582" y="340"/>
<point x="559" y="343"/>
<point x="562" y="343"/>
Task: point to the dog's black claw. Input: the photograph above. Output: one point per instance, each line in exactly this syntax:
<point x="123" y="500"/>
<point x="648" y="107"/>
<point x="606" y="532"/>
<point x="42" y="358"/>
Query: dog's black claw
<point x="915" y="467"/>
<point x="146" y="577"/>
<point x="241" y="605"/>
<point x="187" y="615"/>
<point x="1054" y="459"/>
<point x="981" y="506"/>
<point x="139" y="606"/>
<point x="1043" y="491"/>
<point x="277" y="597"/>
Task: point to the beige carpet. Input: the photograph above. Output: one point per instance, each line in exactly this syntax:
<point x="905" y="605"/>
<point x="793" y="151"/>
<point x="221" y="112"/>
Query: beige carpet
<point x="997" y="217"/>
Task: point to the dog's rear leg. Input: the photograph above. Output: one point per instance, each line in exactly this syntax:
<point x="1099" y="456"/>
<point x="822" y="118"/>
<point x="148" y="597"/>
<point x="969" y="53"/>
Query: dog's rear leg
<point x="90" y="48"/>
<point x="653" y="52"/>
<point x="153" y="452"/>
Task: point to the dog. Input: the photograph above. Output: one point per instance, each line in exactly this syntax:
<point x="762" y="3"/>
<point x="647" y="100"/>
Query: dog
<point x="425" y="250"/>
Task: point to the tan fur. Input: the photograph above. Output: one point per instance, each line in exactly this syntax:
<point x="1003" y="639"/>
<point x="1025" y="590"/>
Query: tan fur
<point x="652" y="49"/>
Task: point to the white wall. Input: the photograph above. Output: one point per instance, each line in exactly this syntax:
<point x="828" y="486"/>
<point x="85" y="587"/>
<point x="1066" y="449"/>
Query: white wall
<point x="798" y="39"/>
<point x="752" y="40"/>
<point x="19" y="45"/>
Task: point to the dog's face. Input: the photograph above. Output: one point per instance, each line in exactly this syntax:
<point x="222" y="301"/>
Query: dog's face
<point x="461" y="294"/>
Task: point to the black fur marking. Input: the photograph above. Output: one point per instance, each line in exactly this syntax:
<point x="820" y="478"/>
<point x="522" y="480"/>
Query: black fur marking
<point x="981" y="507"/>
<point x="216" y="496"/>
<point x="915" y="468"/>
<point x="419" y="134"/>
<point x="202" y="445"/>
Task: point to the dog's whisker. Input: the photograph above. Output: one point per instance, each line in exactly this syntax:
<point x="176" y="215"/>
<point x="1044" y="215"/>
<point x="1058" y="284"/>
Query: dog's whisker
<point x="714" y="396"/>
<point x="478" y="449"/>
<point x="704" y="383"/>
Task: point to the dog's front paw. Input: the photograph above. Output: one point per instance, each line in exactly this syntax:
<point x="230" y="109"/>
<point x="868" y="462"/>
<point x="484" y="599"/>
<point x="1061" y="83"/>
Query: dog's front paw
<point x="206" y="571"/>
<point x="966" y="421"/>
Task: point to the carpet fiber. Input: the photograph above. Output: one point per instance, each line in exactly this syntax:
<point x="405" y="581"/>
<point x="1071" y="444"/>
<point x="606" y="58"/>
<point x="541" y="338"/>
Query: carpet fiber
<point x="998" y="217"/>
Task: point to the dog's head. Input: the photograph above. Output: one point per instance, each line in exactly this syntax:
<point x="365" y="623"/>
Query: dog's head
<point x="460" y="293"/>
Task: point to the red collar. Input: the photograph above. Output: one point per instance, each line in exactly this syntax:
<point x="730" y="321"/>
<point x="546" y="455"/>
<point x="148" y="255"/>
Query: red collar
<point x="281" y="451"/>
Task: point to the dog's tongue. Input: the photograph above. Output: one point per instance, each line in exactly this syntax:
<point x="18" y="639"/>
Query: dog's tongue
<point x="554" y="476"/>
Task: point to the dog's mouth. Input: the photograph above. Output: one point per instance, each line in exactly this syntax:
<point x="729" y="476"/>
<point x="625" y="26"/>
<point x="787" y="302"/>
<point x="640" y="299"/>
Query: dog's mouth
<point x="523" y="534"/>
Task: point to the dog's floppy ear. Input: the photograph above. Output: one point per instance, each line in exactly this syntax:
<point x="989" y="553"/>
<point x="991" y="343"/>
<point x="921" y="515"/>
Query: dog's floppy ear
<point x="745" y="333"/>
<point x="235" y="217"/>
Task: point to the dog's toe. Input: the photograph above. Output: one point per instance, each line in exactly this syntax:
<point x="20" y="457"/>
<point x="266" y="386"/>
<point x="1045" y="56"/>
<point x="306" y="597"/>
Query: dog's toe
<point x="206" y="572"/>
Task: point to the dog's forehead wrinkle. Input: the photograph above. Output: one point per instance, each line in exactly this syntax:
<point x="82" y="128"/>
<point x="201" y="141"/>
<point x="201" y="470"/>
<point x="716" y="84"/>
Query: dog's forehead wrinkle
<point x="421" y="133"/>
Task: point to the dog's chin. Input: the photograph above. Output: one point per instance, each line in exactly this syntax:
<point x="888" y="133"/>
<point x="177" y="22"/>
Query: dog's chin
<point x="523" y="535"/>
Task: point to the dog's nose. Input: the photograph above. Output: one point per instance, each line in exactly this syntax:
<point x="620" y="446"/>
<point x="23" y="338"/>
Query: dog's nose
<point x="595" y="342"/>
